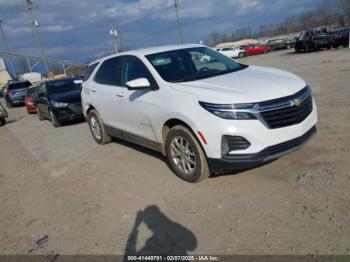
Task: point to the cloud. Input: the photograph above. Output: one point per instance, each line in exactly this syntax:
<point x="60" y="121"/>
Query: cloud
<point x="79" y="29"/>
<point x="56" y="28"/>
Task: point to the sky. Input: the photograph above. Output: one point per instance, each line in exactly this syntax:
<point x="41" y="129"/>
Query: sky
<point x="78" y="30"/>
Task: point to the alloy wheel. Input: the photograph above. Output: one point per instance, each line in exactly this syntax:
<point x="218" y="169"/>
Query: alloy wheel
<point x="183" y="155"/>
<point x="95" y="127"/>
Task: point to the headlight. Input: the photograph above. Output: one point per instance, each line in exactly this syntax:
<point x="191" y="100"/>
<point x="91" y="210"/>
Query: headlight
<point x="59" y="104"/>
<point x="229" y="111"/>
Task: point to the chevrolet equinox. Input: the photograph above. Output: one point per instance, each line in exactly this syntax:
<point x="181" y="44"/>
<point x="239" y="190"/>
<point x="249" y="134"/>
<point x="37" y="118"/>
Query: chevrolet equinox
<point x="206" y="118"/>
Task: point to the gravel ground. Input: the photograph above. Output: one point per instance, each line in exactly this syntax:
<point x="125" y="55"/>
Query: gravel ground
<point x="87" y="198"/>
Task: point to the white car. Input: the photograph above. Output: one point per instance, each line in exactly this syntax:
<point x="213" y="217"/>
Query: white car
<point x="232" y="52"/>
<point x="205" y="118"/>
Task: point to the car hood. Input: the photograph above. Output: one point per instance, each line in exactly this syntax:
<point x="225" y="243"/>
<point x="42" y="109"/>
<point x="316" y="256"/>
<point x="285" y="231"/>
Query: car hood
<point x="67" y="97"/>
<point x="253" y="84"/>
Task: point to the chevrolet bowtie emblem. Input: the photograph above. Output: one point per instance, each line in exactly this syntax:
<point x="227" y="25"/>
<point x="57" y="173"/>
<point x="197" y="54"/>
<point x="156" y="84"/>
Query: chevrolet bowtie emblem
<point x="296" y="102"/>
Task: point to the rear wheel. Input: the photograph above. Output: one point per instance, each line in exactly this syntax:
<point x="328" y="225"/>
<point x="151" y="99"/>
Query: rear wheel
<point x="8" y="104"/>
<point x="241" y="54"/>
<point x="54" y="120"/>
<point x="97" y="129"/>
<point x="185" y="155"/>
<point x="40" y="116"/>
<point x="2" y="121"/>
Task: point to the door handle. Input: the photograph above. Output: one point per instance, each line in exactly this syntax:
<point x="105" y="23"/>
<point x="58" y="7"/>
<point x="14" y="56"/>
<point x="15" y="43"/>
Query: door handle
<point x="120" y="94"/>
<point x="93" y="90"/>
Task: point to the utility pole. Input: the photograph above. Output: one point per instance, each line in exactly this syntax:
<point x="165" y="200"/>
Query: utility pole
<point x="113" y="32"/>
<point x="176" y="3"/>
<point x="7" y="49"/>
<point x="35" y="24"/>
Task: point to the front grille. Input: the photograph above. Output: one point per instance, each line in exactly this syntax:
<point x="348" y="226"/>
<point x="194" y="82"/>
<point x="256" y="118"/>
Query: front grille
<point x="290" y="115"/>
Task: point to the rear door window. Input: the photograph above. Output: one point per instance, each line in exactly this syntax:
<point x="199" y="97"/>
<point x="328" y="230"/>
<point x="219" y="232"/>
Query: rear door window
<point x="109" y="72"/>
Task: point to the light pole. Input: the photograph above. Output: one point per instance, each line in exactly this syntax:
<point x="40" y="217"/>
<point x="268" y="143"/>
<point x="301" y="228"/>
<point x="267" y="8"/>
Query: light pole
<point x="114" y="33"/>
<point x="7" y="49"/>
<point x="35" y="24"/>
<point x="176" y="3"/>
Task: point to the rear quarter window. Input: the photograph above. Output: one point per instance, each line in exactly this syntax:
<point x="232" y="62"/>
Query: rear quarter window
<point x="89" y="71"/>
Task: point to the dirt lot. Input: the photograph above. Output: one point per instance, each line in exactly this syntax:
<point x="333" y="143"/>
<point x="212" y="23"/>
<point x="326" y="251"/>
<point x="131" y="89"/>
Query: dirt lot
<point x="85" y="197"/>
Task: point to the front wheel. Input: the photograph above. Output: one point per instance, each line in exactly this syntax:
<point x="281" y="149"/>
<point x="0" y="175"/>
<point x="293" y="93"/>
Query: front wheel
<point x="185" y="155"/>
<point x="240" y="55"/>
<point x="97" y="129"/>
<point x="54" y="120"/>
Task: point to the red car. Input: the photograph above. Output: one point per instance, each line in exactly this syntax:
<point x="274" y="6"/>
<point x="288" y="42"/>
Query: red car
<point x="28" y="100"/>
<point x="257" y="49"/>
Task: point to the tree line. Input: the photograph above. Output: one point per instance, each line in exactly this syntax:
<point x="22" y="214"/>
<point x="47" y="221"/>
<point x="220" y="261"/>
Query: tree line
<point x="328" y="13"/>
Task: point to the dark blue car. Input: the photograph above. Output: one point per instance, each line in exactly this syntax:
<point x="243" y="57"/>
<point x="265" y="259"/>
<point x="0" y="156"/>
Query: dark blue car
<point x="59" y="101"/>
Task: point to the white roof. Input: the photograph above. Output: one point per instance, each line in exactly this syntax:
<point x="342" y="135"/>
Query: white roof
<point x="150" y="50"/>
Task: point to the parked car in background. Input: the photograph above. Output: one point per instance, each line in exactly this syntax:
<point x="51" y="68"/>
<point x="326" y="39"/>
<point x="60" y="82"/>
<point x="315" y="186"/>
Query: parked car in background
<point x="1" y="92"/>
<point x="257" y="49"/>
<point x="341" y="37"/>
<point x="279" y="43"/>
<point x="15" y="92"/>
<point x="204" y="118"/>
<point x="59" y="101"/>
<point x="232" y="52"/>
<point x="312" y="40"/>
<point x="28" y="99"/>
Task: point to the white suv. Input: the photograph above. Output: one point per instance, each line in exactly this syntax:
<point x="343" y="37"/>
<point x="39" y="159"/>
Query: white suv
<point x="205" y="118"/>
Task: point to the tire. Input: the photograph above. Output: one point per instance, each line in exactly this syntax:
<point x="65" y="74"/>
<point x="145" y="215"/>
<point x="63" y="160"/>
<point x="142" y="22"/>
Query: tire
<point x="329" y="47"/>
<point x="189" y="164"/>
<point x="8" y="104"/>
<point x="2" y="121"/>
<point x="54" y="120"/>
<point x="241" y="55"/>
<point x="40" y="116"/>
<point x="97" y="128"/>
<point x="307" y="48"/>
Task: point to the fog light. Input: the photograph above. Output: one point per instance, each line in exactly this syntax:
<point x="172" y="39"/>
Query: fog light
<point x="224" y="146"/>
<point x="232" y="143"/>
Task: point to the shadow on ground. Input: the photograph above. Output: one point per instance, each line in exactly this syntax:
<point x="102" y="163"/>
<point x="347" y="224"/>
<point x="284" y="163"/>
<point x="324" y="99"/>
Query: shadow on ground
<point x="168" y="237"/>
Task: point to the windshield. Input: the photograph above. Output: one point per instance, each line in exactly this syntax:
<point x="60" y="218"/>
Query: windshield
<point x="62" y="86"/>
<point x="19" y="85"/>
<point x="192" y="64"/>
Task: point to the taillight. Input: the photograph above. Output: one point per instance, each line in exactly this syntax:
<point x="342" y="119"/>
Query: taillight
<point x="8" y="94"/>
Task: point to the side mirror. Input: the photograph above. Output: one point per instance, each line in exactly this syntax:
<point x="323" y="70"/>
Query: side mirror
<point x="138" y="84"/>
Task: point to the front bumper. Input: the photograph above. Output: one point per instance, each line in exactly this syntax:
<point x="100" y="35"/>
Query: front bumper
<point x="245" y="161"/>
<point x="71" y="113"/>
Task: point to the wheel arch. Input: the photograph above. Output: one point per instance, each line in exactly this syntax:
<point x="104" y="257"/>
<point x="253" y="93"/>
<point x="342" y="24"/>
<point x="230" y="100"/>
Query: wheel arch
<point x="170" y="123"/>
